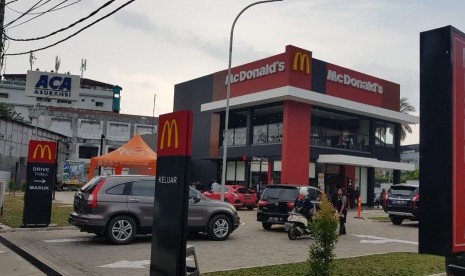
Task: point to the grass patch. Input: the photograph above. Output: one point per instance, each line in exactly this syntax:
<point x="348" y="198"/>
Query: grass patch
<point x="383" y="264"/>
<point x="13" y="211"/>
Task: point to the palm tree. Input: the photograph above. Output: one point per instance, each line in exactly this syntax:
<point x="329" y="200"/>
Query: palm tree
<point x="406" y="108"/>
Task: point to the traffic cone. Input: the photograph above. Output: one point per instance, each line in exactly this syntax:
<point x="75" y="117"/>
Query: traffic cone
<point x="359" y="208"/>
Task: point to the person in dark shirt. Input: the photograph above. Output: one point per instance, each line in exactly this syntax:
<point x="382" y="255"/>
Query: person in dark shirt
<point x="341" y="207"/>
<point x="303" y="204"/>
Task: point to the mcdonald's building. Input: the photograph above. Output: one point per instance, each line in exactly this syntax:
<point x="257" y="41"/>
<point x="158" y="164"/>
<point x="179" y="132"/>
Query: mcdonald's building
<point x="296" y="119"/>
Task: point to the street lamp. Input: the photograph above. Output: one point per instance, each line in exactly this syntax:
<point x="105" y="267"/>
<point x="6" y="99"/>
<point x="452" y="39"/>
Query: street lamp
<point x="228" y="94"/>
<point x="37" y="116"/>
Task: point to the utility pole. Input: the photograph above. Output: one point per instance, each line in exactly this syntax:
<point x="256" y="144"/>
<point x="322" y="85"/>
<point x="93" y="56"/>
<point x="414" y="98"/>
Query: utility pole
<point x="2" y="32"/>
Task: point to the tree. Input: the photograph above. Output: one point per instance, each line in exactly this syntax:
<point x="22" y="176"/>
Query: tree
<point x="406" y="108"/>
<point x="8" y="111"/>
<point x="323" y="229"/>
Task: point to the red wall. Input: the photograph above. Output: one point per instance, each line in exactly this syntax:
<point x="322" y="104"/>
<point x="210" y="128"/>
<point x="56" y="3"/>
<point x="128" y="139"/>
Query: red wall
<point x="296" y="143"/>
<point x="386" y="94"/>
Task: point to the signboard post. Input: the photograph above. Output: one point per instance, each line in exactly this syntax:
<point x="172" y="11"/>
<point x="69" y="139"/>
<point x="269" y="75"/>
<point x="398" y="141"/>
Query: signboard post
<point x="169" y="235"/>
<point x="41" y="168"/>
<point x="442" y="143"/>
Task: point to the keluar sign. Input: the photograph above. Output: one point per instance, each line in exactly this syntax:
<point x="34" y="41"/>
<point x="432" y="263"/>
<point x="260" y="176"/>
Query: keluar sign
<point x="442" y="142"/>
<point x="169" y="238"/>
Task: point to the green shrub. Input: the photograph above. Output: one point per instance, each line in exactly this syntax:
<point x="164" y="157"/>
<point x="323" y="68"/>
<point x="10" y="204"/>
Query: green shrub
<point x="323" y="228"/>
<point x="11" y="185"/>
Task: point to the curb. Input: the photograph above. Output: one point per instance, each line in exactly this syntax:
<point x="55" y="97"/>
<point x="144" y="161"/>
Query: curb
<point x="7" y="229"/>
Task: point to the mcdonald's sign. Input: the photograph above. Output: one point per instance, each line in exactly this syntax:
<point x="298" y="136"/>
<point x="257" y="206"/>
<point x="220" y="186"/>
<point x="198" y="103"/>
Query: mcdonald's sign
<point x="301" y="63"/>
<point x="175" y="136"/>
<point x="41" y="152"/>
<point x="170" y="129"/>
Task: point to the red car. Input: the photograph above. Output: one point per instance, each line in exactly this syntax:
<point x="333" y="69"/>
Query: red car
<point x="237" y="195"/>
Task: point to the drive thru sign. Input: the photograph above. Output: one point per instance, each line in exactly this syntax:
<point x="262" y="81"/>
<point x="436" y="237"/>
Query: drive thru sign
<point x="41" y="167"/>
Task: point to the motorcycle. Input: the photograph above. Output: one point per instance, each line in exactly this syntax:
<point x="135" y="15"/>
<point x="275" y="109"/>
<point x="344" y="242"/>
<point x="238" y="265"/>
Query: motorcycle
<point x="296" y="225"/>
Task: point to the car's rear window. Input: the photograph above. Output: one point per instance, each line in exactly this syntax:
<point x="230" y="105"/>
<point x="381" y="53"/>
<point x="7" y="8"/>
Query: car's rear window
<point x="402" y="190"/>
<point x="281" y="193"/>
<point x="89" y="186"/>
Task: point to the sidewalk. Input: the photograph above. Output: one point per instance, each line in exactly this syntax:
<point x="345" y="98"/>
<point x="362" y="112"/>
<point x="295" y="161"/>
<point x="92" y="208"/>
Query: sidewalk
<point x="16" y="262"/>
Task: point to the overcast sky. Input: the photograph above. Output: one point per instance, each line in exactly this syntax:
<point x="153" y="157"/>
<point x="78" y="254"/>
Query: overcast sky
<point x="149" y="46"/>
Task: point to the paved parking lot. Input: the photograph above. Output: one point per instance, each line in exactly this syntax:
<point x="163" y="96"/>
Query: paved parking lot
<point x="74" y="253"/>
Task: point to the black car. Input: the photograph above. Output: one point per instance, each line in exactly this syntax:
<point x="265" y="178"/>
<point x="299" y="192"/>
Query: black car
<point x="403" y="202"/>
<point x="277" y="201"/>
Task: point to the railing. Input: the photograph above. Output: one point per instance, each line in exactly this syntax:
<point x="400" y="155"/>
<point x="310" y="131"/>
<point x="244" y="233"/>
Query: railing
<point x="355" y="142"/>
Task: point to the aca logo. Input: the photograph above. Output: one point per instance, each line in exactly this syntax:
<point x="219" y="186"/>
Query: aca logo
<point x="54" y="83"/>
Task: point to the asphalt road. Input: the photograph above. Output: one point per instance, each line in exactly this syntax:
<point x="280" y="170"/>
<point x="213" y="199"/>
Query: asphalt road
<point x="71" y="252"/>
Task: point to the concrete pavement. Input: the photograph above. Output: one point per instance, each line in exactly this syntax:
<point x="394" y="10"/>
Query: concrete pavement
<point x="16" y="262"/>
<point x="12" y="263"/>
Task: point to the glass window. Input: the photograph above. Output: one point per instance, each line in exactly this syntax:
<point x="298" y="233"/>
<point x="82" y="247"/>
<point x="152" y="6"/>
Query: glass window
<point x="230" y="137"/>
<point x="240" y="171"/>
<point x="380" y="133"/>
<point x="389" y="136"/>
<point x="231" y="171"/>
<point x="116" y="190"/>
<point x="192" y="194"/>
<point x="143" y="188"/>
<point x="275" y="133"/>
<point x="240" y="136"/>
<point x="260" y="134"/>
<point x="384" y="135"/>
<point x="87" y="152"/>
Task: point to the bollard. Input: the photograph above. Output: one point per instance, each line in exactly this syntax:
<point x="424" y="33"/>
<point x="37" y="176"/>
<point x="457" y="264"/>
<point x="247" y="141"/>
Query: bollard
<point x="359" y="207"/>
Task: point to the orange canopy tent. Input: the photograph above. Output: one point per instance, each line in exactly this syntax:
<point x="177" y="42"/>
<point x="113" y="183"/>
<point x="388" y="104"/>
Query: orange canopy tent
<point x="134" y="154"/>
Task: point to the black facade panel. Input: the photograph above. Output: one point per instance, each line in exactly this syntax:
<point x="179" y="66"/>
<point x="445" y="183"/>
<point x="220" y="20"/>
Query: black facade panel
<point x="189" y="96"/>
<point x="319" y="76"/>
<point x="435" y="232"/>
<point x="271" y="150"/>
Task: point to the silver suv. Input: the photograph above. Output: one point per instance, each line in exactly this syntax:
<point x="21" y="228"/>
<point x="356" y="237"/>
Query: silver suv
<point x="121" y="206"/>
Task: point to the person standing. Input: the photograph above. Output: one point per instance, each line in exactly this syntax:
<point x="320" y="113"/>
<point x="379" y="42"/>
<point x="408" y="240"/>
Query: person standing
<point x="350" y="195"/>
<point x="382" y="198"/>
<point x="341" y="207"/>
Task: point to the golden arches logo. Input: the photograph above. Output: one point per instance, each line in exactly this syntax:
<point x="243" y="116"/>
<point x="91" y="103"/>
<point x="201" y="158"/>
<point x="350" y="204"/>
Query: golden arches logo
<point x="168" y="128"/>
<point x="43" y="150"/>
<point x="303" y="61"/>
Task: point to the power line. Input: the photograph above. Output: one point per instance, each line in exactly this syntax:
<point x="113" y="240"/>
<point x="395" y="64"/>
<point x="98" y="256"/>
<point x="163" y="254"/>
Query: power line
<point x="11" y="2"/>
<point x="39" y="14"/>
<point x="74" y="34"/>
<point x="24" y="14"/>
<point x="66" y="28"/>
<point x="35" y="13"/>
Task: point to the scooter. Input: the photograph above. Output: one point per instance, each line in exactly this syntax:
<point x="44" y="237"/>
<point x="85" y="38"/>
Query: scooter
<point x="296" y="225"/>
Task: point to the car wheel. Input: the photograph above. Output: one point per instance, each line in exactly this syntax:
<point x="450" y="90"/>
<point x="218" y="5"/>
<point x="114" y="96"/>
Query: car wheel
<point x="292" y="234"/>
<point x="121" y="230"/>
<point x="219" y="228"/>
<point x="266" y="225"/>
<point x="250" y="207"/>
<point x="226" y="200"/>
<point x="396" y="220"/>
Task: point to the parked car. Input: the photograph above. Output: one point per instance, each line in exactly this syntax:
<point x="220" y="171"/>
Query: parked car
<point x="403" y="201"/>
<point x="121" y="206"/>
<point x="239" y="196"/>
<point x="278" y="200"/>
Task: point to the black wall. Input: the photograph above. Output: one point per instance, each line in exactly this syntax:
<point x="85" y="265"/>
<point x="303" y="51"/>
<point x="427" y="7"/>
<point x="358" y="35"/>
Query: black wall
<point x="435" y="232"/>
<point x="189" y="96"/>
